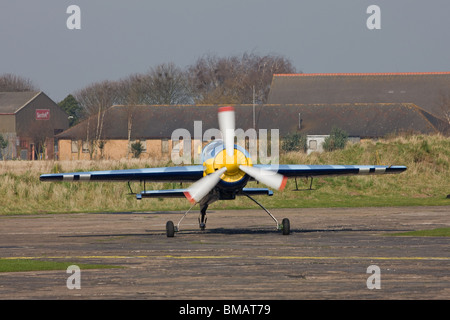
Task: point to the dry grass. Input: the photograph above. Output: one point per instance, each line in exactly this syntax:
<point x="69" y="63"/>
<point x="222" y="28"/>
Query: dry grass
<point x="426" y="182"/>
<point x="22" y="167"/>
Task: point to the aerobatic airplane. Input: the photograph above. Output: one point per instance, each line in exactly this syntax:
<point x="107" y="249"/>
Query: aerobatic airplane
<point x="225" y="171"/>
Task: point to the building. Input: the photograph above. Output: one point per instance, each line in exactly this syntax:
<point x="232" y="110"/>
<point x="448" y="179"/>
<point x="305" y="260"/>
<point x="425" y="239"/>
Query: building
<point x="159" y="128"/>
<point x="29" y="122"/>
<point x="366" y="105"/>
<point x="426" y="90"/>
<point x="110" y="135"/>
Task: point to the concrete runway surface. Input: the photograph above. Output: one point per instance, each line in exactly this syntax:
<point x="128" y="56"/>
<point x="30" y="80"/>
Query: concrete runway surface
<point x="240" y="255"/>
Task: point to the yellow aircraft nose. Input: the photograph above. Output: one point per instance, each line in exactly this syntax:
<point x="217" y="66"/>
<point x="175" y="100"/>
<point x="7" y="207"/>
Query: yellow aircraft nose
<point x="232" y="164"/>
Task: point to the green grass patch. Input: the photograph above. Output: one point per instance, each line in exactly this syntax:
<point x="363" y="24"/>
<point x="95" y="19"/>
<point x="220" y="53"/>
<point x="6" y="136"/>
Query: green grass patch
<point x="20" y="265"/>
<point x="438" y="232"/>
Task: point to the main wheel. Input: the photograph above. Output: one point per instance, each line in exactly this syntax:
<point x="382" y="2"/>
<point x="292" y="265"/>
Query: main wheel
<point x="286" y="226"/>
<point x="170" y="229"/>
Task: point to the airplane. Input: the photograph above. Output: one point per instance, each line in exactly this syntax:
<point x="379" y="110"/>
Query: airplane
<point x="225" y="171"/>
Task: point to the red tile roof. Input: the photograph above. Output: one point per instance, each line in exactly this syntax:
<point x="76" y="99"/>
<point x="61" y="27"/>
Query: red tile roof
<point x="359" y="74"/>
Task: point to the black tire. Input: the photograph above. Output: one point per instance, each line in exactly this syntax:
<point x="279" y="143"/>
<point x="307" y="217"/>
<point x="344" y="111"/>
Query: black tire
<point x="286" y="226"/>
<point x="170" y="229"/>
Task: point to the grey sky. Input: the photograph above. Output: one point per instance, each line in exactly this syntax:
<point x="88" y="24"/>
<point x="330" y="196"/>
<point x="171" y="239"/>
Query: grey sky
<point x="118" y="38"/>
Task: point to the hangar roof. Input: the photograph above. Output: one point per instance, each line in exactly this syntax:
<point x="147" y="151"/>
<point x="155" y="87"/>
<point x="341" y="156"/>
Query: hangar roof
<point x="363" y="120"/>
<point x="424" y="89"/>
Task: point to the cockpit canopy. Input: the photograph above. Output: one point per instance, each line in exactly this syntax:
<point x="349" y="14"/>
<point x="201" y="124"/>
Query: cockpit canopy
<point x="215" y="147"/>
<point x="212" y="149"/>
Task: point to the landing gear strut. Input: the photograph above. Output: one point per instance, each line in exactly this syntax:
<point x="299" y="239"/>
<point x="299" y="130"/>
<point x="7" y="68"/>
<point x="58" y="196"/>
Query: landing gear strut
<point x="285" y="224"/>
<point x="171" y="228"/>
<point x="202" y="219"/>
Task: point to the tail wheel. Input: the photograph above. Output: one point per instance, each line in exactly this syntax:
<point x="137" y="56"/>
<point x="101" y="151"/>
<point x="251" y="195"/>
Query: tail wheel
<point x="286" y="226"/>
<point x="170" y="229"/>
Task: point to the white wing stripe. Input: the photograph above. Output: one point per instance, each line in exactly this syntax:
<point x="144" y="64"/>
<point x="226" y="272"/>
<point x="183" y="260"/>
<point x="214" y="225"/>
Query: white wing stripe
<point x="364" y="170"/>
<point x="85" y="177"/>
<point x="380" y="170"/>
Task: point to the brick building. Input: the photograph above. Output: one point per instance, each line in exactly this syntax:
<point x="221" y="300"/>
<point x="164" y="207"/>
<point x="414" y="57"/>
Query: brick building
<point x="154" y="126"/>
<point x="29" y="122"/>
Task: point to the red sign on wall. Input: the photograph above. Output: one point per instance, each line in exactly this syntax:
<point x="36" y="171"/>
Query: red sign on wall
<point x="42" y="114"/>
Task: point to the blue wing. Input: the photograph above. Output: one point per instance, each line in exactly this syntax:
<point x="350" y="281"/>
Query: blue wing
<point x="296" y="170"/>
<point x="194" y="173"/>
<point x="166" y="174"/>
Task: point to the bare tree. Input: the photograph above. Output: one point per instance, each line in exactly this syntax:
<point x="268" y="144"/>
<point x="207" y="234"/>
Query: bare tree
<point x="164" y="84"/>
<point x="211" y="80"/>
<point x="134" y="89"/>
<point x="134" y="94"/>
<point x="97" y="97"/>
<point x="167" y="84"/>
<point x="39" y="133"/>
<point x="11" y="82"/>
<point x="232" y="79"/>
<point x="261" y="73"/>
<point x="95" y="100"/>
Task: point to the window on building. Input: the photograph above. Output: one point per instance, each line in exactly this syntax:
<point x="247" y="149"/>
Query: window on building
<point x="165" y="146"/>
<point x="313" y="144"/>
<point x="23" y="144"/>
<point x="74" y="146"/>
<point x="85" y="146"/>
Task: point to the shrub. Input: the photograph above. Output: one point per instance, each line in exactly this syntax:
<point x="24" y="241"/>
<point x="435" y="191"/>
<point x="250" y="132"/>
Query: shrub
<point x="294" y="142"/>
<point x="3" y="145"/>
<point x="337" y="140"/>
<point x="137" y="148"/>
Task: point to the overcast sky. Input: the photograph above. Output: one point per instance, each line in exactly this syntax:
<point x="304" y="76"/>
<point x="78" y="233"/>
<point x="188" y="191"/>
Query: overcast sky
<point x="118" y="38"/>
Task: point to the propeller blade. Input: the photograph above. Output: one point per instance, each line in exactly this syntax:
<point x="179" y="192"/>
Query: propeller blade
<point x="202" y="187"/>
<point x="226" y="125"/>
<point x="270" y="178"/>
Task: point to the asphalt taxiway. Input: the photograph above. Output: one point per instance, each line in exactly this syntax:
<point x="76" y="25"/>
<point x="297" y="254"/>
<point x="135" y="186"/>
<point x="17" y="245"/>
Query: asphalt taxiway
<point x="240" y="255"/>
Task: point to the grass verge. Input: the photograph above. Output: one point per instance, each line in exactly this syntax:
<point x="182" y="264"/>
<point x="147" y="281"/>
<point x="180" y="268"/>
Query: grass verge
<point x="20" y="265"/>
<point x="439" y="232"/>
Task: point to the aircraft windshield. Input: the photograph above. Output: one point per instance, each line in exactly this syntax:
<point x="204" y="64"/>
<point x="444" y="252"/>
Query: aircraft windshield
<point x="212" y="149"/>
